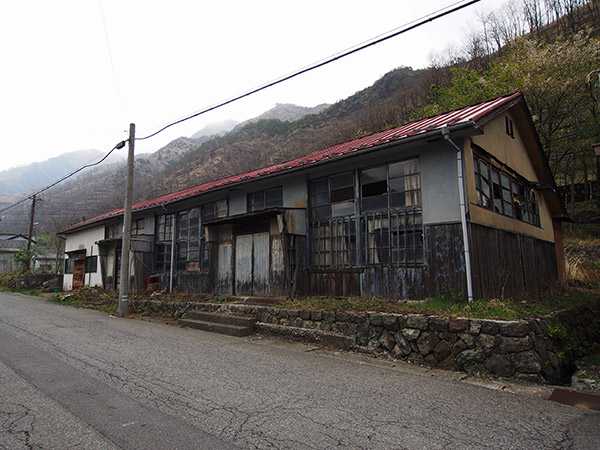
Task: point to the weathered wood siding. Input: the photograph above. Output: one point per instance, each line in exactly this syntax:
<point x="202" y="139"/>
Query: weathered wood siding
<point x="442" y="271"/>
<point x="444" y="260"/>
<point x="142" y="268"/>
<point x="191" y="281"/>
<point x="335" y="283"/>
<point x="223" y="262"/>
<point x="278" y="284"/>
<point x="505" y="264"/>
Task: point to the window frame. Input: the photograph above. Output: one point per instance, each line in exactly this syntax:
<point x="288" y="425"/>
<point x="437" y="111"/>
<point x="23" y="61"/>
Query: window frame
<point x="350" y="240"/>
<point x="91" y="264"/>
<point x="336" y="195"/>
<point x="164" y="242"/>
<point x="138" y="227"/>
<point x="509" y="193"/>
<point x="187" y="242"/>
<point x="265" y="199"/>
<point x="113" y="231"/>
<point x="411" y="186"/>
<point x="69" y="266"/>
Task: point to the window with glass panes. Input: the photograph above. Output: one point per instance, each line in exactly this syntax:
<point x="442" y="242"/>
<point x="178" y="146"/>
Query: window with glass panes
<point x="265" y="199"/>
<point x="164" y="236"/>
<point x="214" y="210"/>
<point x="210" y="211"/>
<point x="137" y="227"/>
<point x="333" y="221"/>
<point x="396" y="185"/>
<point x="113" y="231"/>
<point x="504" y="192"/>
<point x="391" y="224"/>
<point x="187" y="247"/>
<point x="332" y="196"/>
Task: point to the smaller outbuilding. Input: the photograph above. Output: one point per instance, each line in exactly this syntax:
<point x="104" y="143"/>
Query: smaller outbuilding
<point x="11" y="244"/>
<point x="462" y="203"/>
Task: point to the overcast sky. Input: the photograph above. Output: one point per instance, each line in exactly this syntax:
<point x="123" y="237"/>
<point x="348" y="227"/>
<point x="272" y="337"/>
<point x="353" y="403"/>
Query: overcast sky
<point x="76" y="73"/>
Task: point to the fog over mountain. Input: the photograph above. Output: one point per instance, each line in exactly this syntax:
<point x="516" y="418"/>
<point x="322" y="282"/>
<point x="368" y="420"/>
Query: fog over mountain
<point x="31" y="176"/>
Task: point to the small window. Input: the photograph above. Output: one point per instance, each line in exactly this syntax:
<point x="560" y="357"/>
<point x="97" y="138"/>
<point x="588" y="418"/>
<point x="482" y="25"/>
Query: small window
<point x="137" y="227"/>
<point x="509" y="127"/>
<point x="163" y="257"/>
<point x="91" y="264"/>
<point x="268" y="198"/>
<point x="164" y="227"/>
<point x="214" y="210"/>
<point x="332" y="196"/>
<point x="113" y="231"/>
<point x="69" y="265"/>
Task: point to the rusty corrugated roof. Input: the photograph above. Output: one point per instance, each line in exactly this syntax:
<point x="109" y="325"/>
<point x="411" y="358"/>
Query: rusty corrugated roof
<point x="452" y="119"/>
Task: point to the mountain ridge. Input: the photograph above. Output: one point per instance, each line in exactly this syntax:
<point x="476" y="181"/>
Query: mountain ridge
<point x="31" y="176"/>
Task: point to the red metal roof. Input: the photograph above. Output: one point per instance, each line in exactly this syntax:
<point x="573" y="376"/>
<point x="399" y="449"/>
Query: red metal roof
<point x="452" y="119"/>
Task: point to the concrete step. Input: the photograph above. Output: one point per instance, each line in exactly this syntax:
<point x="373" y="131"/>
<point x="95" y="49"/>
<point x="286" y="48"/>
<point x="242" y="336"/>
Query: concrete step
<point x="221" y="318"/>
<point x="219" y="323"/>
<point x="326" y="338"/>
<point x="256" y="300"/>
<point x="222" y="328"/>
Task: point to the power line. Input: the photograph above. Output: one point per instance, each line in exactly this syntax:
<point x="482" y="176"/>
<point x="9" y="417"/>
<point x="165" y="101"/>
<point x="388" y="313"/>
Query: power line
<point x="366" y="44"/>
<point x="377" y="40"/>
<point x="112" y="63"/>
<point x="23" y="200"/>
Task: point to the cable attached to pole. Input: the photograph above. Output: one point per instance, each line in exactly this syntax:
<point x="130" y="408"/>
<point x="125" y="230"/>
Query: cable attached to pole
<point x="396" y="32"/>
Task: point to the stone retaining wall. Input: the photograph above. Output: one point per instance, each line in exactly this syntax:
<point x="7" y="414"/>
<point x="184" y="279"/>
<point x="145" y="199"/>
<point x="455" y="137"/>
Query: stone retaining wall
<point x="537" y="350"/>
<point x="36" y="281"/>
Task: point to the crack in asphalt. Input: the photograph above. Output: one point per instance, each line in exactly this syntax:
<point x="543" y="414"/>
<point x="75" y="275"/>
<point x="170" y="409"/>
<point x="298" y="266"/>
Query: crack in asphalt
<point x="17" y="423"/>
<point x="297" y="406"/>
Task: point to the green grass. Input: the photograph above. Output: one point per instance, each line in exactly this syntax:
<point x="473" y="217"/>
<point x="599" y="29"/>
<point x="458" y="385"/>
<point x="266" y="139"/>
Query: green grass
<point x="441" y="305"/>
<point x="92" y="298"/>
<point x="509" y="309"/>
<point x="339" y="304"/>
<point x="33" y="292"/>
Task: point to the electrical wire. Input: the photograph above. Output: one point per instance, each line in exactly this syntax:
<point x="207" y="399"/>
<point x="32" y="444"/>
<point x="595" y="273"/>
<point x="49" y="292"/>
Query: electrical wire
<point x="377" y="40"/>
<point x="366" y="44"/>
<point x="112" y="63"/>
<point x="23" y="200"/>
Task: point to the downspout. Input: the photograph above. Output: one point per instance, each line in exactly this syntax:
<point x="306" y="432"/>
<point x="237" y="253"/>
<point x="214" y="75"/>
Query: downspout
<point x="463" y="211"/>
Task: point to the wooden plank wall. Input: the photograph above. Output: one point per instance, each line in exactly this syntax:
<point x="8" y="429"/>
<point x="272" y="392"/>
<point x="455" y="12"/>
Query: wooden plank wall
<point x="506" y="264"/>
<point x="335" y="283"/>
<point x="442" y="272"/>
<point x="444" y="261"/>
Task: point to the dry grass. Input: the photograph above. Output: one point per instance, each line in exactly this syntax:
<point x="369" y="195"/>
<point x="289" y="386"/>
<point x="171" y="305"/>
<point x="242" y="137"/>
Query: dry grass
<point x="582" y="261"/>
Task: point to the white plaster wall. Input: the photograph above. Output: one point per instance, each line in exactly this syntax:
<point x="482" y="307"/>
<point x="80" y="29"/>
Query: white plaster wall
<point x="85" y="240"/>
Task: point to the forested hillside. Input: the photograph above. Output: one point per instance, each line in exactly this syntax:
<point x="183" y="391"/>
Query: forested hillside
<point x="544" y="48"/>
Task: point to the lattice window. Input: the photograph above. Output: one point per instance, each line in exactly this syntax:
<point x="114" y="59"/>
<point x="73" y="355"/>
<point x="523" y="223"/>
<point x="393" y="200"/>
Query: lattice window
<point x="164" y="236"/>
<point x="393" y="237"/>
<point x="390" y="229"/>
<point x="333" y="242"/>
<point x="504" y="192"/>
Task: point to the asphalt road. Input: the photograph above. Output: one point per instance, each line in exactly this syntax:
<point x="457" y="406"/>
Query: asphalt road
<point x="72" y="378"/>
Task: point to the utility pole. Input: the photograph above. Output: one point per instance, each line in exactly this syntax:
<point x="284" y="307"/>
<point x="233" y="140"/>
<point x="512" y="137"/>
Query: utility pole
<point x="30" y="236"/>
<point x="126" y="244"/>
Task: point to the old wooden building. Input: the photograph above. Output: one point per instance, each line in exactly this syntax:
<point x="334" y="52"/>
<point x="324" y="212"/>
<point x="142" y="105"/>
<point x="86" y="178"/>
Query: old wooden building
<point x="462" y="202"/>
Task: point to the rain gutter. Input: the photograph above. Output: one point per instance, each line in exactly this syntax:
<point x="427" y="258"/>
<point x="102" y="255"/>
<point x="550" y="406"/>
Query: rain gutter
<point x="463" y="211"/>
